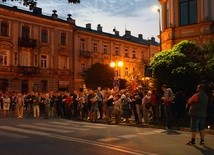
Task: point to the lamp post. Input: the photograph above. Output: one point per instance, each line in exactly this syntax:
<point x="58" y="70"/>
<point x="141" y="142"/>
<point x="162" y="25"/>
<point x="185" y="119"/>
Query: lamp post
<point x="157" y="9"/>
<point x="116" y="65"/>
<point x="159" y="18"/>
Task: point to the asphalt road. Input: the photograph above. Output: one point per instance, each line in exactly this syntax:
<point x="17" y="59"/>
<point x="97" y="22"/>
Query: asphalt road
<point x="67" y="137"/>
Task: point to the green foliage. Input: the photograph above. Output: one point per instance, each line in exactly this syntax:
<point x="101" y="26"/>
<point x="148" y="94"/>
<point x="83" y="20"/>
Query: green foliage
<point x="99" y="75"/>
<point x="32" y="3"/>
<point x="184" y="66"/>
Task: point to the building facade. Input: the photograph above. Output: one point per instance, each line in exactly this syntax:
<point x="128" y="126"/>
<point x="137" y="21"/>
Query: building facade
<point x="45" y="53"/>
<point x="186" y="20"/>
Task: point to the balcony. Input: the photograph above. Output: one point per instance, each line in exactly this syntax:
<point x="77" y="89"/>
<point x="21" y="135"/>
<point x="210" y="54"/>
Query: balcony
<point x="28" y="43"/>
<point x="28" y="70"/>
<point x="85" y="53"/>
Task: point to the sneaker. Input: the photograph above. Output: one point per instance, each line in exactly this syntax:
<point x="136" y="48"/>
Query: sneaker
<point x="191" y="143"/>
<point x="202" y="143"/>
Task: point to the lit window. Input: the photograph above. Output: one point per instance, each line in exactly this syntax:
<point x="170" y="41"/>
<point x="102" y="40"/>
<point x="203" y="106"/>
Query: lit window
<point x="44" y="61"/>
<point x="4" y="28"/>
<point x="188" y="12"/>
<point x="44" y="36"/>
<point x="4" y="58"/>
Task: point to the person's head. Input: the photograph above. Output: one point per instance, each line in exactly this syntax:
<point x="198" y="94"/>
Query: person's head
<point x="164" y="87"/>
<point x="200" y="87"/>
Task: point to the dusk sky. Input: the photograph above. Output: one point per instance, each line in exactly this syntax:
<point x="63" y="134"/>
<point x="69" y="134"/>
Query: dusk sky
<point x="134" y="15"/>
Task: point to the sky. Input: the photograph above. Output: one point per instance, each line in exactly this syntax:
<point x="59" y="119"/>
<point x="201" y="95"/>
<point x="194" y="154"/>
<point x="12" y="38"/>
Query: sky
<point x="136" y="16"/>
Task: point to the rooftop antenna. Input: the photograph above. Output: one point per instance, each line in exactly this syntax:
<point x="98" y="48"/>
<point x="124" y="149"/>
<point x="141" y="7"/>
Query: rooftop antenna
<point x="114" y="29"/>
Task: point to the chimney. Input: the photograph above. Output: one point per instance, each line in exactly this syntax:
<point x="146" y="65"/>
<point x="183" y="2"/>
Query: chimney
<point x="37" y="10"/>
<point x="99" y="28"/>
<point x="153" y="39"/>
<point x="54" y="15"/>
<point x="116" y="33"/>
<point x="88" y="26"/>
<point x="140" y="36"/>
<point x="128" y="33"/>
<point x="70" y="20"/>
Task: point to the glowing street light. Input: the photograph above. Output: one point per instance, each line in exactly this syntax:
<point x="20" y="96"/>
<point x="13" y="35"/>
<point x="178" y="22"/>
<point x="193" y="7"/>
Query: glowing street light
<point x="116" y="65"/>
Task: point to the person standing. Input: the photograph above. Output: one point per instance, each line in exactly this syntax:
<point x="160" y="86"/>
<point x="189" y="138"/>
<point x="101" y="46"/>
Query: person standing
<point x="168" y="97"/>
<point x="20" y="105"/>
<point x="100" y="102"/>
<point x="6" y="105"/>
<point x="198" y="107"/>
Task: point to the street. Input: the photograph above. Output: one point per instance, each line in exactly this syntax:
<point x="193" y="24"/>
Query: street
<point x="62" y="137"/>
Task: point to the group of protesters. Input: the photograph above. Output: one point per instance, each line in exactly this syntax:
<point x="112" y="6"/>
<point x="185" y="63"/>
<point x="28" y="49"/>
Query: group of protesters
<point x="87" y="105"/>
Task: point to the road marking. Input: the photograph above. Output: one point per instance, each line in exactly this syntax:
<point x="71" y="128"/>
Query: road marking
<point x="88" y="123"/>
<point x="151" y="132"/>
<point x="45" y="129"/>
<point x="83" y="125"/>
<point x="12" y="135"/>
<point x="61" y="126"/>
<point x="24" y="131"/>
<point x="128" y="136"/>
<point x="109" y="139"/>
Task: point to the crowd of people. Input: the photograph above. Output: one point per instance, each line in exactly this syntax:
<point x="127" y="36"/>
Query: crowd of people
<point x="87" y="105"/>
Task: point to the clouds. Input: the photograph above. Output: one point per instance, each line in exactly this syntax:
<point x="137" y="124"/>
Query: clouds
<point x="134" y="15"/>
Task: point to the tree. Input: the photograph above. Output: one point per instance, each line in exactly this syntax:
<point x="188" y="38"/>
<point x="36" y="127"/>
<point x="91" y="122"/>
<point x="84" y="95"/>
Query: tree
<point x="184" y="66"/>
<point x="99" y="75"/>
<point x="33" y="3"/>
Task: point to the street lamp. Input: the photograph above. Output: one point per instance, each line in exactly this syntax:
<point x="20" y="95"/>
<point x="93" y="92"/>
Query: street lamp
<point x="116" y="65"/>
<point x="157" y="9"/>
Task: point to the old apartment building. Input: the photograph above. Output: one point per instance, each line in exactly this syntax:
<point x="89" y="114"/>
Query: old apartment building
<point x="45" y="53"/>
<point x="187" y="20"/>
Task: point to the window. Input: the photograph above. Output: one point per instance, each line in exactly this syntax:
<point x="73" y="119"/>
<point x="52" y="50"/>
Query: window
<point x="24" y="58"/>
<point x="44" y="61"/>
<point x="4" y="28"/>
<point x="63" y="62"/>
<point x="15" y="58"/>
<point x="95" y="47"/>
<point x="44" y="36"/>
<point x="133" y="54"/>
<point x="63" y="38"/>
<point x="4" y="58"/>
<point x="117" y="51"/>
<point x="82" y="44"/>
<point x="126" y="71"/>
<point x="126" y="53"/>
<point x="188" y="12"/>
<point x="167" y="15"/>
<point x="105" y="49"/>
<point x="35" y="60"/>
<point x="82" y="67"/>
<point x="25" y="32"/>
